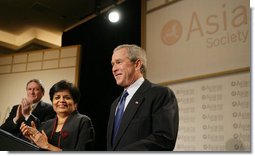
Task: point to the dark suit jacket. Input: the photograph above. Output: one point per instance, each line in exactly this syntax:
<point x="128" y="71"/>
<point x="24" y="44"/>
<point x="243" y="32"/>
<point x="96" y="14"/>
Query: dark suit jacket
<point x="150" y="121"/>
<point x="43" y="112"/>
<point x="77" y="133"/>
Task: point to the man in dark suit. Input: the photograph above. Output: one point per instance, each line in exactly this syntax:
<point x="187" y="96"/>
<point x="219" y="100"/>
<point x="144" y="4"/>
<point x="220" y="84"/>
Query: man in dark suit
<point x="29" y="108"/>
<point x="151" y="117"/>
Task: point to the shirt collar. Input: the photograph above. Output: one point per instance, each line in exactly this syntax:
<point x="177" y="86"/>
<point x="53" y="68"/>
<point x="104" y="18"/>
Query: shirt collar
<point x="34" y="105"/>
<point x="133" y="88"/>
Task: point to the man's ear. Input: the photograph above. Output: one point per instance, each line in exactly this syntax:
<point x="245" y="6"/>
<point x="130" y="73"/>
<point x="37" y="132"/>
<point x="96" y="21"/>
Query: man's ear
<point x="138" y="64"/>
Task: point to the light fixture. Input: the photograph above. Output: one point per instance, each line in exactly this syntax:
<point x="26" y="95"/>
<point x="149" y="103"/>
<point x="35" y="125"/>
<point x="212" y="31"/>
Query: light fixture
<point x="114" y="16"/>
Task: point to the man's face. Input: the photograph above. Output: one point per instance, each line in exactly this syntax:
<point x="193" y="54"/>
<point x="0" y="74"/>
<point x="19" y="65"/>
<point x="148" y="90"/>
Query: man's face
<point x="124" y="71"/>
<point x="34" y="92"/>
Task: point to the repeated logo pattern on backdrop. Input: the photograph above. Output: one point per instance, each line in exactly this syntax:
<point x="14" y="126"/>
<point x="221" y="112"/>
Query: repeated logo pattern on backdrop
<point x="204" y="46"/>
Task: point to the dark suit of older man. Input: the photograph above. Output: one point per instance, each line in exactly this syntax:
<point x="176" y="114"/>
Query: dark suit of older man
<point x="43" y="111"/>
<point x="150" y="121"/>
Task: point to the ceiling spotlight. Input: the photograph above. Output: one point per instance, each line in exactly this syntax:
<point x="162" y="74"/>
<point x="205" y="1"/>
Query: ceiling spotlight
<point x="114" y="16"/>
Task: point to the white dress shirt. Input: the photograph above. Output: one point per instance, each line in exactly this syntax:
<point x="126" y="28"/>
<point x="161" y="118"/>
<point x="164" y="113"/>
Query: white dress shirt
<point x="132" y="89"/>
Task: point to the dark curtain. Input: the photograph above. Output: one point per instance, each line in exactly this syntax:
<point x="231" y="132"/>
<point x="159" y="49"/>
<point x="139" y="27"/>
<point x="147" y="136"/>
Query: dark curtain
<point x="98" y="37"/>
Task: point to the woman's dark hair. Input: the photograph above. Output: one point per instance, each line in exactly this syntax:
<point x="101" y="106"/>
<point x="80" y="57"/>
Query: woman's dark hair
<point x="65" y="85"/>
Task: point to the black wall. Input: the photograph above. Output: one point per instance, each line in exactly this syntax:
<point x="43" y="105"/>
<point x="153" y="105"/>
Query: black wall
<point x="98" y="37"/>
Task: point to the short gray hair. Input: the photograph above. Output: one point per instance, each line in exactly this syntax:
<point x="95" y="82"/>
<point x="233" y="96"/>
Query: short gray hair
<point x="39" y="82"/>
<point x="134" y="53"/>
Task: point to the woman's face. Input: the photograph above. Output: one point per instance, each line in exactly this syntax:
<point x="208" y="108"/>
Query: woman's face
<point x="63" y="102"/>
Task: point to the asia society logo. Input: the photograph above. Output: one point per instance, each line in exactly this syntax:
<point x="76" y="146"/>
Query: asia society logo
<point x="171" y="32"/>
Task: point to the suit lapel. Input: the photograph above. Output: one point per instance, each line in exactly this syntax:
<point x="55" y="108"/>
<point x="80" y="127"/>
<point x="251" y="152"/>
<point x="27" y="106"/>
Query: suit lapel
<point x="66" y="129"/>
<point x="37" y="110"/>
<point x="131" y="109"/>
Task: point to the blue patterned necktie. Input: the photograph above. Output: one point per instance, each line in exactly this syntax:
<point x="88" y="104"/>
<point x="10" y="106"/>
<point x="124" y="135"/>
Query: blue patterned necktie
<point x="119" y="114"/>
